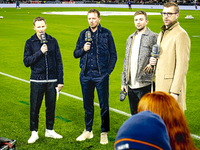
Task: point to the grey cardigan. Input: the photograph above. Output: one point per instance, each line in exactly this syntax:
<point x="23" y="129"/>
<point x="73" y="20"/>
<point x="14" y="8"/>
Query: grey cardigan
<point x="148" y="39"/>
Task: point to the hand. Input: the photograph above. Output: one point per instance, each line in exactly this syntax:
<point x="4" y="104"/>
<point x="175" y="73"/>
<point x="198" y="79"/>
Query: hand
<point x="148" y="68"/>
<point x="174" y="95"/>
<point x="87" y="46"/>
<point x="44" y="48"/>
<point x="152" y="61"/>
<point x="124" y="88"/>
<point x="60" y="86"/>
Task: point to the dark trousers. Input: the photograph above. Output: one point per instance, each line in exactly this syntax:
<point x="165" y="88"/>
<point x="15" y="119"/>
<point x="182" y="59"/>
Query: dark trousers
<point x="89" y="81"/>
<point x="135" y="95"/>
<point x="37" y="92"/>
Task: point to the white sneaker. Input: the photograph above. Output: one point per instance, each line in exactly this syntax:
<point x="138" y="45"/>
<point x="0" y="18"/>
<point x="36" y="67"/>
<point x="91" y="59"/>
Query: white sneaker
<point x="104" y="138"/>
<point x="85" y="135"/>
<point x="34" y="137"/>
<point x="52" y="134"/>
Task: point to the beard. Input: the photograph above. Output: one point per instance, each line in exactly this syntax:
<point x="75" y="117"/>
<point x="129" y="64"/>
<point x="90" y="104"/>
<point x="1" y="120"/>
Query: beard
<point x="94" y="27"/>
<point x="140" y="29"/>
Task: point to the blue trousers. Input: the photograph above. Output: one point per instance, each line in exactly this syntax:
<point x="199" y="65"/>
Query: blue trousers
<point x="37" y="92"/>
<point x="89" y="81"/>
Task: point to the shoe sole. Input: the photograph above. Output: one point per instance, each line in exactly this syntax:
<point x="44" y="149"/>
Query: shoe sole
<point x="85" y="138"/>
<point x="53" y="137"/>
<point x="104" y="143"/>
<point x="33" y="141"/>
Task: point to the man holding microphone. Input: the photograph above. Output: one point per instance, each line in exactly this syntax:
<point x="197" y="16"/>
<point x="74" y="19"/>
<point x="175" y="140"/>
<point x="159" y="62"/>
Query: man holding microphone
<point x="42" y="54"/>
<point x="96" y="49"/>
<point x="172" y="64"/>
<point x="137" y="73"/>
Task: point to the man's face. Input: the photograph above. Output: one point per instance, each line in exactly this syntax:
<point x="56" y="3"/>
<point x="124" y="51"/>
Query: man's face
<point x="140" y="22"/>
<point x="170" y="18"/>
<point x="93" y="20"/>
<point x="40" y="28"/>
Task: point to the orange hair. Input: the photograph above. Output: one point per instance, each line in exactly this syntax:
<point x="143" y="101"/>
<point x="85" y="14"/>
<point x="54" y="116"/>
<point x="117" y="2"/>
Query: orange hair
<point x="169" y="110"/>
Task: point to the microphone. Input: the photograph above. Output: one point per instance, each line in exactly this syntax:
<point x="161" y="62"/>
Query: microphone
<point x="122" y="96"/>
<point x="155" y="51"/>
<point x="88" y="37"/>
<point x="43" y="39"/>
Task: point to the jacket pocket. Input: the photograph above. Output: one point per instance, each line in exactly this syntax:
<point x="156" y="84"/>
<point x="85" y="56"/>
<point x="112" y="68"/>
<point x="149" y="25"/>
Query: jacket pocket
<point x="169" y="76"/>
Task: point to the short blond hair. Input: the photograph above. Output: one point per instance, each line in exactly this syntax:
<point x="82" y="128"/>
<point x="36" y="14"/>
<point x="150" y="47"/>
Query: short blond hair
<point x="171" y="4"/>
<point x="141" y="12"/>
<point x="94" y="11"/>
<point x="38" y="19"/>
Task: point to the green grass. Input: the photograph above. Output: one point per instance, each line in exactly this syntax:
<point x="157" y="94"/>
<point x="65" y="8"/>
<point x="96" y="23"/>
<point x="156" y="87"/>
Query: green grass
<point x="17" y="27"/>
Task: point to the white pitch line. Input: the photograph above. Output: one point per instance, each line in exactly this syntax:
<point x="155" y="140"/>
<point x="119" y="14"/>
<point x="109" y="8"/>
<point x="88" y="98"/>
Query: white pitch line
<point x="14" y="77"/>
<point x="196" y="36"/>
<point x="67" y="94"/>
<point x="81" y="99"/>
<point x="96" y="104"/>
<point x="195" y="136"/>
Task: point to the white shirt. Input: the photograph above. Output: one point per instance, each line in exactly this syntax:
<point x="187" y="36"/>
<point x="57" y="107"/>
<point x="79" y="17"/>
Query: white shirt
<point x="134" y="64"/>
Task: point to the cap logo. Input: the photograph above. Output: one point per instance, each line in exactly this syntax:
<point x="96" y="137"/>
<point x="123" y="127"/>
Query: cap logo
<point x="124" y="146"/>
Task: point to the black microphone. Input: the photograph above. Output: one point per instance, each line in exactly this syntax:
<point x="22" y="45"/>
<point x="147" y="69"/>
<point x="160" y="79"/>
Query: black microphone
<point x="122" y="95"/>
<point x="155" y="51"/>
<point x="43" y="39"/>
<point x="88" y="37"/>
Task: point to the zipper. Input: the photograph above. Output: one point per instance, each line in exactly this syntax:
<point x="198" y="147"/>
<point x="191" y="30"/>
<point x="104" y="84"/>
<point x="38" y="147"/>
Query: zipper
<point x="97" y="52"/>
<point x="85" y="63"/>
<point x="46" y="66"/>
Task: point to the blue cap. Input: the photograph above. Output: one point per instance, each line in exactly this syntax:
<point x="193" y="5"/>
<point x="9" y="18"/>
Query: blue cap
<point x="143" y="131"/>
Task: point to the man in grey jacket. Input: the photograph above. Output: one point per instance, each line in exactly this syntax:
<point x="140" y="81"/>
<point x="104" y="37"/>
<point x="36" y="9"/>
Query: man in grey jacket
<point x="137" y="72"/>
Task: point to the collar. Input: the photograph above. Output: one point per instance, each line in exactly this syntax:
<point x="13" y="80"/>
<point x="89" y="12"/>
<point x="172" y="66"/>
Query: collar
<point x="35" y="38"/>
<point x="99" y="28"/>
<point x="146" y="32"/>
<point x="163" y="28"/>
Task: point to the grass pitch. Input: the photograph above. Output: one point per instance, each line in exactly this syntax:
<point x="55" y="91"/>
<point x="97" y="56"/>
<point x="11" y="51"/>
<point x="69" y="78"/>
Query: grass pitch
<point x="16" y="27"/>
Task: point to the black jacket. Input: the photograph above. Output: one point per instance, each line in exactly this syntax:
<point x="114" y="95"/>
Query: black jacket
<point x="105" y="50"/>
<point x="43" y="66"/>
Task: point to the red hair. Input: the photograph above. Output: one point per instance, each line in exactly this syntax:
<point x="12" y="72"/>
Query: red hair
<point x="169" y="110"/>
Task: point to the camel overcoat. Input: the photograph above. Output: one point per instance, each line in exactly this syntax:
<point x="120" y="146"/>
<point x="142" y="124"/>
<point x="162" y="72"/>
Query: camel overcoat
<point x="172" y="64"/>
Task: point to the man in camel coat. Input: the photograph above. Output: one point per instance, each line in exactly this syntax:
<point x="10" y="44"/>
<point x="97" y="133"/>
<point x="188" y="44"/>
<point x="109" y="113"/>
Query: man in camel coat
<point x="174" y="49"/>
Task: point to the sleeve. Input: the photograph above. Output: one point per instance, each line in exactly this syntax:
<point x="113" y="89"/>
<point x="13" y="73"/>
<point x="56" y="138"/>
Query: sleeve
<point x="123" y="75"/>
<point x="79" y="51"/>
<point x="125" y="71"/>
<point x="182" y="59"/>
<point x="113" y="54"/>
<point x="31" y="58"/>
<point x="59" y="65"/>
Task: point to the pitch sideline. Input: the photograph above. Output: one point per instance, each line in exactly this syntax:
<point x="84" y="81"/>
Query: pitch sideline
<point x="67" y="94"/>
<point x="79" y="98"/>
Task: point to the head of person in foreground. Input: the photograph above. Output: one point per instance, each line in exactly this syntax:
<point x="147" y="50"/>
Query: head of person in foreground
<point x="167" y="107"/>
<point x="143" y="131"/>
